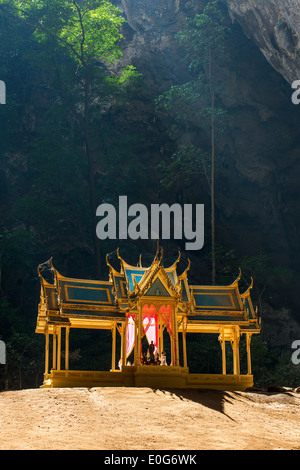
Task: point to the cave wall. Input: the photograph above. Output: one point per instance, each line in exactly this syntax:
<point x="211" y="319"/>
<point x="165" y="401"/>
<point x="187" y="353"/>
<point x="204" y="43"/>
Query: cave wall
<point x="257" y="194"/>
<point x="275" y="28"/>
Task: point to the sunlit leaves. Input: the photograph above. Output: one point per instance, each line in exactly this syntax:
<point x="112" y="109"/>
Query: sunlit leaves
<point x="88" y="30"/>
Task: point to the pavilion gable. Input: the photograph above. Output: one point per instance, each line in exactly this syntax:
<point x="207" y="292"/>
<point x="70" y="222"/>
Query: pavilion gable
<point x="157" y="289"/>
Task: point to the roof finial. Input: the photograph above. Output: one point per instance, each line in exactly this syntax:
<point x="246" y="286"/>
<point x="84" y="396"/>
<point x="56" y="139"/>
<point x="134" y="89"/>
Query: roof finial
<point x="186" y="270"/>
<point x="249" y="288"/>
<point x="174" y="265"/>
<point x="161" y="255"/>
<point x="235" y="283"/>
<point x="157" y="249"/>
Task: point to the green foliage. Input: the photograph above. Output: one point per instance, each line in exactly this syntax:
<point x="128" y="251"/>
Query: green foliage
<point x="70" y="46"/>
<point x="87" y="33"/>
<point x="258" y="267"/>
<point x="203" y="40"/>
<point x="194" y="104"/>
<point x="188" y="104"/>
<point x="270" y="366"/>
<point x="204" y="354"/>
<point x="90" y="349"/>
<point x="56" y="58"/>
<point x="89" y="30"/>
<point x="13" y="247"/>
<point x="182" y="166"/>
<point x="129" y="77"/>
<point x="186" y="166"/>
<point x="204" y="37"/>
<point x="24" y="351"/>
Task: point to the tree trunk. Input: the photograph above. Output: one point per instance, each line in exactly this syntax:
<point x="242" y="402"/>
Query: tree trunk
<point x="212" y="196"/>
<point x="90" y="162"/>
<point x="91" y="179"/>
<point x="213" y="260"/>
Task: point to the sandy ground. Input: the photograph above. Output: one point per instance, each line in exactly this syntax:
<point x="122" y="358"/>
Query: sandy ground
<point x="147" y="419"/>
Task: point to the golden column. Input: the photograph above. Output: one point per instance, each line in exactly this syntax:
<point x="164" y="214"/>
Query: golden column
<point x="184" y="328"/>
<point x="160" y="334"/>
<point x="67" y="348"/>
<point x="123" y="343"/>
<point x="59" y="348"/>
<point x="223" y="346"/>
<point x="139" y="333"/>
<point x="46" y="351"/>
<point x="113" y="352"/>
<point x="236" y="352"/>
<point x="54" y="348"/>
<point x="248" y="341"/>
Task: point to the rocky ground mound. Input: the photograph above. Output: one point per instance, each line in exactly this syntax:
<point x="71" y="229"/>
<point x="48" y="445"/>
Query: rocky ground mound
<point x="148" y="419"/>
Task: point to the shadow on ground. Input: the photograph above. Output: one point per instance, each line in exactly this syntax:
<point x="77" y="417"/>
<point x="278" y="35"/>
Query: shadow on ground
<point x="213" y="399"/>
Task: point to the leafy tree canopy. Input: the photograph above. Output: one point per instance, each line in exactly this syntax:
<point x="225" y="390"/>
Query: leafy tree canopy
<point x="204" y="36"/>
<point x="90" y="29"/>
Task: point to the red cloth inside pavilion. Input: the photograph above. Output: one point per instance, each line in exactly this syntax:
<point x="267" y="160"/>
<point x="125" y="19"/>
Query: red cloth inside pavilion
<point x="150" y="325"/>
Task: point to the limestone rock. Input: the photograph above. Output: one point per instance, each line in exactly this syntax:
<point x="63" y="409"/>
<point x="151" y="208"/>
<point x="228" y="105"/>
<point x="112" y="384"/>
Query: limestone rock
<point x="275" y="28"/>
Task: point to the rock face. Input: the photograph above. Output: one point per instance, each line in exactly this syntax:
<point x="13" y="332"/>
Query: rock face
<point x="275" y="27"/>
<point x="150" y="36"/>
<point x="257" y="192"/>
<point x="150" y="16"/>
<point x="262" y="174"/>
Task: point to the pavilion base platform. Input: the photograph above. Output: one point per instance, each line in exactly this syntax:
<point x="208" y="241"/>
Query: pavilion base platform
<point x="147" y="376"/>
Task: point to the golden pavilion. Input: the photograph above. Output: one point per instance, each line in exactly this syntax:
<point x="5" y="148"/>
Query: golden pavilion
<point x="139" y="304"/>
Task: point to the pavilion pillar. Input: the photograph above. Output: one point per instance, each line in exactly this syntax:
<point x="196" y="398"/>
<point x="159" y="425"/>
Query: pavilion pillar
<point x="223" y="346"/>
<point x="140" y="334"/>
<point x="123" y="344"/>
<point x="47" y="351"/>
<point x="176" y="338"/>
<point x="113" y="350"/>
<point x="184" y="327"/>
<point x="161" y="334"/>
<point x="67" y="343"/>
<point x="238" y="348"/>
<point x="248" y="341"/>
<point x="54" y="348"/>
<point x="234" y="353"/>
<point x="172" y="341"/>
<point x="136" y="341"/>
<point x="236" y="356"/>
<point x="58" y="347"/>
